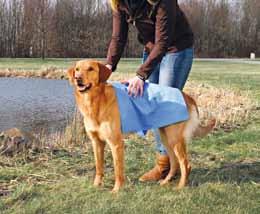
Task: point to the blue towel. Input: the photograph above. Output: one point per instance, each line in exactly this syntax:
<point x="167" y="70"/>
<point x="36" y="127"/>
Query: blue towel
<point x="159" y="106"/>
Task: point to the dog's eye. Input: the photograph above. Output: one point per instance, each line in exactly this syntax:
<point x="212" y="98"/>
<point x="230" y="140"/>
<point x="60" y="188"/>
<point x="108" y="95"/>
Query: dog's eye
<point x="90" y="68"/>
<point x="77" y="69"/>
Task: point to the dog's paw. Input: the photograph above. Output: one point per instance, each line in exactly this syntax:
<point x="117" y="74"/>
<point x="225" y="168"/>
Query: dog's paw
<point x="98" y="181"/>
<point x="114" y="190"/>
<point x="118" y="185"/>
<point x="164" y="182"/>
<point x="181" y="185"/>
<point x="97" y="184"/>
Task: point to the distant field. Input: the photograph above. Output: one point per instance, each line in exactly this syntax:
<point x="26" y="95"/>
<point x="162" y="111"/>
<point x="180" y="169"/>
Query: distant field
<point x="38" y="64"/>
<point x="225" y="175"/>
<point x="34" y="63"/>
<point x="63" y="63"/>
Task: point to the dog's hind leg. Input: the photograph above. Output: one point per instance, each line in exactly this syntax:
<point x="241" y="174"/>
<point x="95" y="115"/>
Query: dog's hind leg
<point x="180" y="151"/>
<point x="117" y="148"/>
<point x="98" y="147"/>
<point x="188" y="163"/>
<point x="173" y="160"/>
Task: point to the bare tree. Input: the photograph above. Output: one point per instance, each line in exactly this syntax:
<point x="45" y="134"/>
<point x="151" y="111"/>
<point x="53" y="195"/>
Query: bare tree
<point x="83" y="28"/>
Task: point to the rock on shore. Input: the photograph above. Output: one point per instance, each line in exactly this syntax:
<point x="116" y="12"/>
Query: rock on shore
<point x="13" y="141"/>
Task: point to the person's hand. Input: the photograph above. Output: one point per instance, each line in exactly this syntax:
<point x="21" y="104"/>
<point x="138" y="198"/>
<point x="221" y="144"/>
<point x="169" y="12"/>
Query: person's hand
<point x="109" y="66"/>
<point x="135" y="87"/>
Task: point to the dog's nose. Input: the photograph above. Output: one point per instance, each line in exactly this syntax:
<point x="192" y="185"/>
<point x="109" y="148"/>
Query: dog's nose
<point x="79" y="81"/>
<point x="78" y="76"/>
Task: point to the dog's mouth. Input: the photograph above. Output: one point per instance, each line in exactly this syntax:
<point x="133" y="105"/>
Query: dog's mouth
<point x="82" y="88"/>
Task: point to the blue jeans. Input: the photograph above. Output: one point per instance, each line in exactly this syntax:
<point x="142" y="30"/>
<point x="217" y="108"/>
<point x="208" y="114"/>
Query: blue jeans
<point x="173" y="70"/>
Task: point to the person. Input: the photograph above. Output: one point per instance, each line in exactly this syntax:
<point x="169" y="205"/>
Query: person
<point x="167" y="37"/>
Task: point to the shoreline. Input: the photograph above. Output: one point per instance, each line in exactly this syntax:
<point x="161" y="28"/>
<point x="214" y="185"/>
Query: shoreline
<point x="49" y="73"/>
<point x="52" y="73"/>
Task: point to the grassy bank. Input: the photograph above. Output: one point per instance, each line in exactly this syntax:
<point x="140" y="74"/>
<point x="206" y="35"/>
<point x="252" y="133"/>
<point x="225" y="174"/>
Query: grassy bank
<point x="225" y="175"/>
<point x="37" y="64"/>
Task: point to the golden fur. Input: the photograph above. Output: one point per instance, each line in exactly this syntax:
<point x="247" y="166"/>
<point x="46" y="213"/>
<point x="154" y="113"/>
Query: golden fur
<point x="97" y="103"/>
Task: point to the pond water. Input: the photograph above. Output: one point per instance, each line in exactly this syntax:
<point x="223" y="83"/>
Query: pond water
<point x="35" y="104"/>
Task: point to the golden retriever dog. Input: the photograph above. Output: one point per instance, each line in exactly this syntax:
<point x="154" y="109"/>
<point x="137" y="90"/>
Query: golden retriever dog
<point x="97" y="102"/>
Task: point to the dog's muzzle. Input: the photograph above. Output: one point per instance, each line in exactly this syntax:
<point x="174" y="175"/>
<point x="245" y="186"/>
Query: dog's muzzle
<point x="83" y="87"/>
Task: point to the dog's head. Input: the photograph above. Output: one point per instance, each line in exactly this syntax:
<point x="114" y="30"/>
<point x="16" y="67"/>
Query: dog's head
<point x="87" y="74"/>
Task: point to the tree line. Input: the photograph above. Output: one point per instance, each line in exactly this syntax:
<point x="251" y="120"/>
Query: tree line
<point x="82" y="28"/>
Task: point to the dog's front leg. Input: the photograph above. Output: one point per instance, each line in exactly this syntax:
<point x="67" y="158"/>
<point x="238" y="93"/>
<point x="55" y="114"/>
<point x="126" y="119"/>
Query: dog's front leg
<point x="117" y="148"/>
<point x="98" y="147"/>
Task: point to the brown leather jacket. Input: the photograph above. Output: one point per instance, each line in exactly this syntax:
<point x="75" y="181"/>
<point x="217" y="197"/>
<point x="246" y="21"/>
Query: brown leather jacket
<point x="162" y="27"/>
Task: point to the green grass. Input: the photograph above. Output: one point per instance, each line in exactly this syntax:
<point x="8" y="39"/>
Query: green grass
<point x="38" y="63"/>
<point x="241" y="76"/>
<point x="225" y="175"/>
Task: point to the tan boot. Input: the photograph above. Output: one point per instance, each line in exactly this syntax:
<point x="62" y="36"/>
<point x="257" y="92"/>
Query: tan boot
<point x="161" y="169"/>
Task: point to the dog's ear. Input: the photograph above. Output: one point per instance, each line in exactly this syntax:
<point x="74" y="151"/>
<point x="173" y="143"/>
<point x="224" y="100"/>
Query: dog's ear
<point x="71" y="75"/>
<point x="104" y="72"/>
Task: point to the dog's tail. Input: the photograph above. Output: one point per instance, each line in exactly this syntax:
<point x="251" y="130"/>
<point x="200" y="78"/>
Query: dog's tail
<point x="193" y="128"/>
<point x="202" y="131"/>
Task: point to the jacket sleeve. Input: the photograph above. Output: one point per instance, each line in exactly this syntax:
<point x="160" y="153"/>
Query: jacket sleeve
<point x="164" y="30"/>
<point x="119" y="39"/>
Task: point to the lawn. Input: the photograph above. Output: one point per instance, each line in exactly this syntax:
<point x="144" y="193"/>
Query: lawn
<point x="34" y="63"/>
<point x="225" y="175"/>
